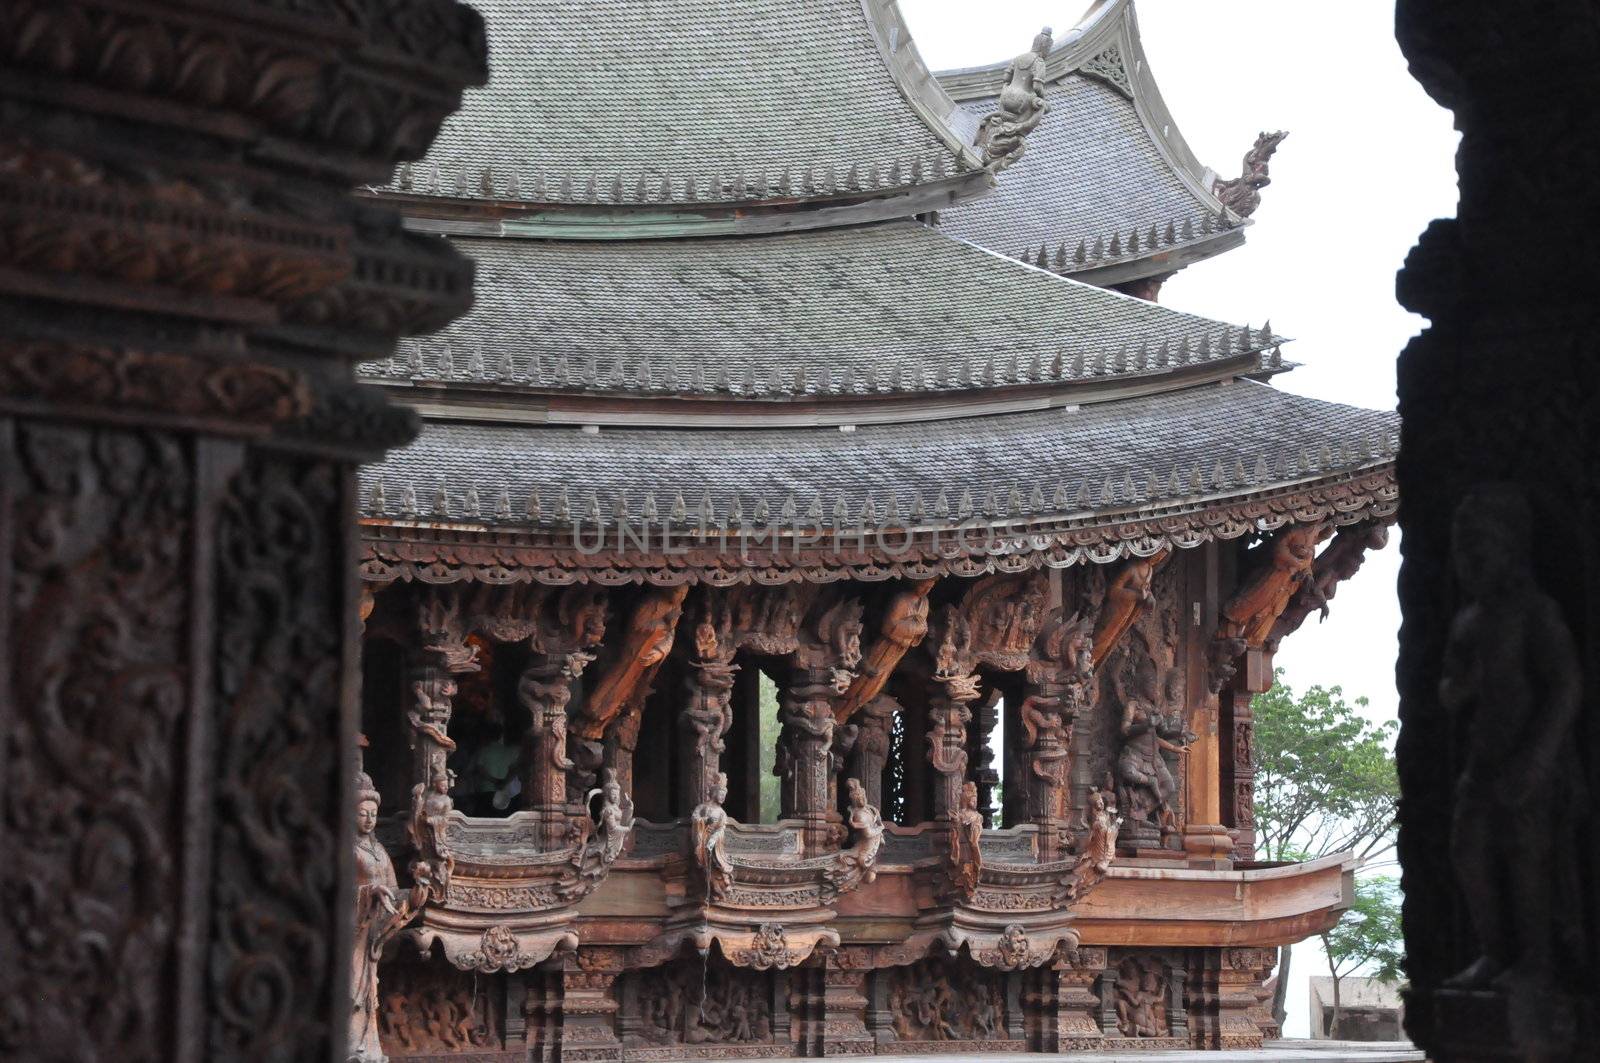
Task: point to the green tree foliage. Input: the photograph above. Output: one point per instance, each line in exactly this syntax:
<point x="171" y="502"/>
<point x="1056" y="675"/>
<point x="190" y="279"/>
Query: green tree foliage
<point x="1367" y="938"/>
<point x="1325" y="783"/>
<point x="1325" y="776"/>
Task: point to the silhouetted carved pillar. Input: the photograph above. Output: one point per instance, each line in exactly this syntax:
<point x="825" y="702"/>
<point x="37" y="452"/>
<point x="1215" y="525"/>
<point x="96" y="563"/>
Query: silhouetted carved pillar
<point x="1502" y="388"/>
<point x="184" y="284"/>
<point x="980" y="755"/>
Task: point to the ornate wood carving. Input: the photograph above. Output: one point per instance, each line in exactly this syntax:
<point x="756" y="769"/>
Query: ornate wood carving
<point x="945" y="1000"/>
<point x="643" y="646"/>
<point x="1002" y="135"/>
<point x="434" y="1010"/>
<point x="857" y="865"/>
<point x="1142" y="996"/>
<point x="180" y="257"/>
<point x="1060" y="678"/>
<point x="1153" y="737"/>
<point x="1127" y="597"/>
<point x="1285" y="565"/>
<point x="381" y="911"/>
<point x="1242" y="194"/>
<point x="1341" y="560"/>
<point x="684" y="1003"/>
<point x="904" y="624"/>
<point x="709" y="836"/>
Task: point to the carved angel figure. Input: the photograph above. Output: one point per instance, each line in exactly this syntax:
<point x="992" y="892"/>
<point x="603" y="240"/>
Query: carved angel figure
<point x="1128" y="594"/>
<point x="1512" y="671"/>
<point x="381" y="912"/>
<point x="1022" y="106"/>
<point x="709" y="823"/>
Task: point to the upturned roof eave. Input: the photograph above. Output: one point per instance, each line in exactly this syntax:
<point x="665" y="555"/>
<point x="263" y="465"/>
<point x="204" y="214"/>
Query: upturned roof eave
<point x="613" y="221"/>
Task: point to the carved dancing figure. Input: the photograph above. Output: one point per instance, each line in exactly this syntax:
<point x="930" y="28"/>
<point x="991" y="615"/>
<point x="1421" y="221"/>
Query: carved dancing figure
<point x="1512" y="671"/>
<point x="1022" y="107"/>
<point x="709" y="823"/>
<point x="381" y="912"/>
<point x="1099" y="848"/>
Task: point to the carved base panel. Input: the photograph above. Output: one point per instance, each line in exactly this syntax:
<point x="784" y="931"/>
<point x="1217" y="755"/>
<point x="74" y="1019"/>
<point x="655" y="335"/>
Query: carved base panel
<point x="978" y="1048"/>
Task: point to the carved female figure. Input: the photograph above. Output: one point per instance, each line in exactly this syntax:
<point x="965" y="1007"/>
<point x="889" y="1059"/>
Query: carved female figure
<point x="966" y="840"/>
<point x="857" y="865"/>
<point x="1252" y="612"/>
<point x="381" y="911"/>
<point x="710" y="830"/>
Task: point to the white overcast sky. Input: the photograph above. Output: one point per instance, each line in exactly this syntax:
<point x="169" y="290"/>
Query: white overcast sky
<point x="1368" y="163"/>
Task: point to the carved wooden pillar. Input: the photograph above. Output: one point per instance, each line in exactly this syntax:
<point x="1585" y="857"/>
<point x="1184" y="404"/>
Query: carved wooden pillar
<point x="821" y="670"/>
<point x="588" y="1014"/>
<point x="544" y="689"/>
<point x="1078" y="1016"/>
<point x="844" y="1011"/>
<point x="948" y="716"/>
<point x="1060" y="673"/>
<point x="445" y="653"/>
<point x="185" y="282"/>
<point x="704" y="722"/>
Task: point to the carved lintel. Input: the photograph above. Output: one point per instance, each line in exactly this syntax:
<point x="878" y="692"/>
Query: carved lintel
<point x="904" y="625"/>
<point x="1127" y="598"/>
<point x="644" y="645"/>
<point x="498" y="948"/>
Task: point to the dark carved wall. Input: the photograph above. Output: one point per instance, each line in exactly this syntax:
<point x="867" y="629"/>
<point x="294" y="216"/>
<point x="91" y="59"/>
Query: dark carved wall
<point x="1502" y="387"/>
<point x="184" y="283"/>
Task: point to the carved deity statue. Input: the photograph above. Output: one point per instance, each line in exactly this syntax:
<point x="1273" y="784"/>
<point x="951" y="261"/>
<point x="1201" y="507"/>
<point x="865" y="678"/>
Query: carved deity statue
<point x="1147" y="782"/>
<point x="381" y="912"/>
<point x="966" y="841"/>
<point x="1242" y="194"/>
<point x="1022" y="106"/>
<point x="1511" y="671"/>
<point x="1291" y="556"/>
<point x="709" y="824"/>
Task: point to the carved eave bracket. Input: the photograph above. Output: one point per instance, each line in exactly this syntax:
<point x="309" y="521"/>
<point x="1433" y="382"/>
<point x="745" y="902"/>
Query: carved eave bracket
<point x="904" y="625"/>
<point x="763" y="946"/>
<point x="645" y="644"/>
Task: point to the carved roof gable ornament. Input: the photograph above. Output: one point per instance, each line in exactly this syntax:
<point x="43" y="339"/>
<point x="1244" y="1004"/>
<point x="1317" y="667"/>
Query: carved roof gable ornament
<point x="1108" y="66"/>
<point x="1022" y="107"/>
<point x="1242" y="195"/>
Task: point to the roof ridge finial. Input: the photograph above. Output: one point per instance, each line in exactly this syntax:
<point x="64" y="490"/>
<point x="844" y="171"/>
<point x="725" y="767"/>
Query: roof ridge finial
<point x="1022" y="107"/>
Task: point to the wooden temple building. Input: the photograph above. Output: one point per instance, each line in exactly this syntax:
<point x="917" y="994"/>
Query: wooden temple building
<point x="795" y="368"/>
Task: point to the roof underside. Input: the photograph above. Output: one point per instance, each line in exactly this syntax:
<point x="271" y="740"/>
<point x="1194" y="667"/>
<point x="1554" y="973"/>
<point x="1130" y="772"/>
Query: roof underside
<point x="685" y="102"/>
<point x="896" y="307"/>
<point x="1107" y="184"/>
<point x="1191" y="446"/>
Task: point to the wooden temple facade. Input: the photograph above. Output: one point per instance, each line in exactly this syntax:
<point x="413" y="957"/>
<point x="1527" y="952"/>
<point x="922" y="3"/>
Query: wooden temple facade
<point x="796" y="372"/>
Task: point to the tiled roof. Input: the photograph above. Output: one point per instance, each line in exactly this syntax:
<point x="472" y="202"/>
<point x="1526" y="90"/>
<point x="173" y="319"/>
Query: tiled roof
<point x="892" y="307"/>
<point x="1201" y="443"/>
<point x="1092" y="188"/>
<point x="1107" y="180"/>
<point x="689" y="102"/>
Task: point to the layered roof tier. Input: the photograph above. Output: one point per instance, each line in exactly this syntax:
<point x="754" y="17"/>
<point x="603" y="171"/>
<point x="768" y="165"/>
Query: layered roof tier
<point x="638" y="119"/>
<point x="888" y="310"/>
<point x="1108" y="190"/>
